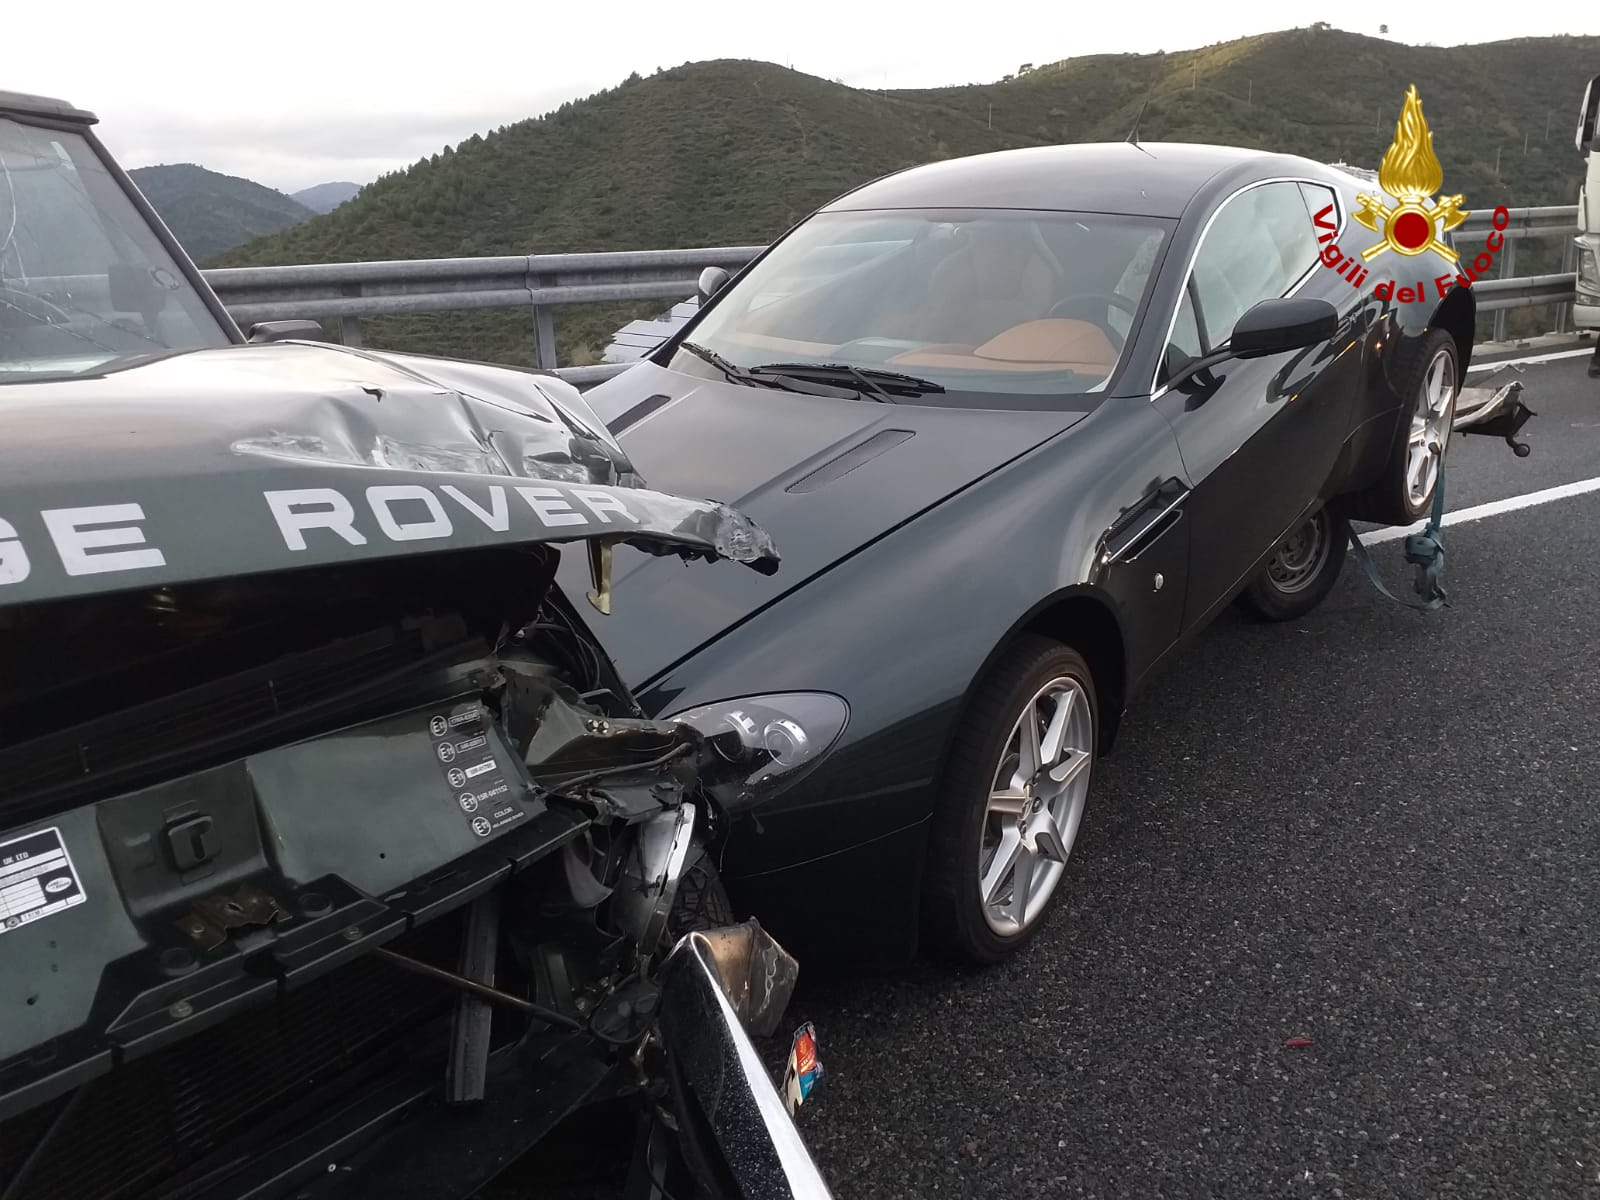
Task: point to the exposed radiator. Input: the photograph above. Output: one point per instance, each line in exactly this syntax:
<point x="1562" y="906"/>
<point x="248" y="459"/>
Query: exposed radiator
<point x="123" y="1136"/>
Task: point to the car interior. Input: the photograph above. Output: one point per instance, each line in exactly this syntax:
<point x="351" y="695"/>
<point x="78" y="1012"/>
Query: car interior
<point x="83" y="280"/>
<point x="1046" y="295"/>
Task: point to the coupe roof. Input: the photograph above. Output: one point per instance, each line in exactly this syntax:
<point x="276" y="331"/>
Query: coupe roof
<point x="1153" y="179"/>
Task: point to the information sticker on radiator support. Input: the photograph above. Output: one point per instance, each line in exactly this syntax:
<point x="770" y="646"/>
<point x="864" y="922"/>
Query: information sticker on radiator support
<point x="480" y="787"/>
<point x="37" y="879"/>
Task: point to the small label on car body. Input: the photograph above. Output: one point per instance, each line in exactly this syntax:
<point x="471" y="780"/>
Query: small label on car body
<point x="472" y="771"/>
<point x="37" y="879"/>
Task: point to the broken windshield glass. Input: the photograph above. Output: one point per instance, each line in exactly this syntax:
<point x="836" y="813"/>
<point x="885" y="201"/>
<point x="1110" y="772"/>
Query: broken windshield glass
<point x="84" y="281"/>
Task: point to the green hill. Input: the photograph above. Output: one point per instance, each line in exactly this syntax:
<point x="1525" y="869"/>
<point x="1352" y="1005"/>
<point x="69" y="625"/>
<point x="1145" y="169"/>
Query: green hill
<point x="209" y="213"/>
<point x="734" y="152"/>
<point x="325" y="197"/>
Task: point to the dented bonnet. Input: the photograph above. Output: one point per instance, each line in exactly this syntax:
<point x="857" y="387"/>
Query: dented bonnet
<point x="250" y="459"/>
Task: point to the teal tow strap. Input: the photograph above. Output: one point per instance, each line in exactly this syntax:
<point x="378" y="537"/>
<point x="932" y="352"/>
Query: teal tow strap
<point x="1424" y="551"/>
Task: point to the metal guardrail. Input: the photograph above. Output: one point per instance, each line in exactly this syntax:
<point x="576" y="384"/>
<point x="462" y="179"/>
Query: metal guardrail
<point x="1525" y="222"/>
<point x="350" y="291"/>
<point x="1511" y="290"/>
<point x="542" y="282"/>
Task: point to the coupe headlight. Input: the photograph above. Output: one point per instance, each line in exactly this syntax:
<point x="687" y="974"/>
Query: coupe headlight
<point x="767" y="742"/>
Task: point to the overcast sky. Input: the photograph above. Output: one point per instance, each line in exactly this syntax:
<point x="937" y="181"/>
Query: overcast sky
<point x="292" y="95"/>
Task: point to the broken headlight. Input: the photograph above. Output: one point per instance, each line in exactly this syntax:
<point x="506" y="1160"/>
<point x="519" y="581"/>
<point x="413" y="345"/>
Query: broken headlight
<point x="764" y="743"/>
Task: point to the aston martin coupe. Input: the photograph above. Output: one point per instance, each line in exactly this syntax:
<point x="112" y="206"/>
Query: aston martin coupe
<point x="1022" y="424"/>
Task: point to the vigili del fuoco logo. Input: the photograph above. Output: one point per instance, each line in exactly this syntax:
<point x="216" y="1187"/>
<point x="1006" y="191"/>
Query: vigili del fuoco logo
<point x="1415" y="223"/>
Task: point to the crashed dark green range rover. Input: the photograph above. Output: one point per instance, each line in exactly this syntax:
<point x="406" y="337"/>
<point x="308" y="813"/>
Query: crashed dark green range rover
<point x="335" y="859"/>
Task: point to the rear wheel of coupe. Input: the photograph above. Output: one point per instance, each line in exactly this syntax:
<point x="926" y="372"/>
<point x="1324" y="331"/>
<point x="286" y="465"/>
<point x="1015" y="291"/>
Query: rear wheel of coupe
<point x="1301" y="572"/>
<point x="1011" y="801"/>
<point x="1428" y="378"/>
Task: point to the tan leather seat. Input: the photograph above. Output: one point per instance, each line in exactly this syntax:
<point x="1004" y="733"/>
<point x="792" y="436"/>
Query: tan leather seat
<point x="1053" y="344"/>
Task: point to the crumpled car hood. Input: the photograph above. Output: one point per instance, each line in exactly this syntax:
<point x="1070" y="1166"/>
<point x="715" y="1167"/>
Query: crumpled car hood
<point x="247" y="459"/>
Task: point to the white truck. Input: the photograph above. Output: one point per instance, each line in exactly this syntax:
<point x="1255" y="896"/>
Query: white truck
<point x="1586" y="307"/>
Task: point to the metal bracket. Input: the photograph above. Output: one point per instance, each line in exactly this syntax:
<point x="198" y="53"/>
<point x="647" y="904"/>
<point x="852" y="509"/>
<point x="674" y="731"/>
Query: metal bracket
<point x="600" y="573"/>
<point x="650" y="877"/>
<point x="213" y="917"/>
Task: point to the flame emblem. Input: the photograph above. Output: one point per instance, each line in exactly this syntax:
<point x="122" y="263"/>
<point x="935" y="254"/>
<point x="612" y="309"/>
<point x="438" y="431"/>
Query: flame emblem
<point x="1411" y="174"/>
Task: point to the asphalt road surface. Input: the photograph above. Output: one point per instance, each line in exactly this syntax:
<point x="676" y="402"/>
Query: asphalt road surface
<point x="1371" y="828"/>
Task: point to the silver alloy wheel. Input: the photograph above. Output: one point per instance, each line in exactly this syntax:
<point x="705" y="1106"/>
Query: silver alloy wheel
<point x="1035" y="805"/>
<point x="1299" y="559"/>
<point x="1430" y="428"/>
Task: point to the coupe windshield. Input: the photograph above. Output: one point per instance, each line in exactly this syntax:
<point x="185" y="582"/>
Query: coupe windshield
<point x="84" y="283"/>
<point x="982" y="303"/>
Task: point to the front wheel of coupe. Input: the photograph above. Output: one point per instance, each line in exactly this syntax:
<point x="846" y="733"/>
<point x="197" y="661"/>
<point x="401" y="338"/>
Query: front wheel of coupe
<point x="1011" y="801"/>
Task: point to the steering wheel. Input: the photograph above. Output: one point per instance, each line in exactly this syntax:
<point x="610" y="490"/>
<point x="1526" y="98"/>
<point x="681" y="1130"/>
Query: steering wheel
<point x="1091" y="306"/>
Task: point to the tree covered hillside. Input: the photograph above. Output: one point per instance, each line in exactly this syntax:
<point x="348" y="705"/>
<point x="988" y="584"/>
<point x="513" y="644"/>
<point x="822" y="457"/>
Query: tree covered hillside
<point x="734" y="152"/>
<point x="209" y="212"/>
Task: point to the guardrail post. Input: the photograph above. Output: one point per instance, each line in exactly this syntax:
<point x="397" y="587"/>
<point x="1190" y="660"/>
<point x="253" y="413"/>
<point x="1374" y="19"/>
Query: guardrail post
<point x="350" y="327"/>
<point x="544" y="324"/>
<point x="544" y="336"/>
<point x="1508" y="263"/>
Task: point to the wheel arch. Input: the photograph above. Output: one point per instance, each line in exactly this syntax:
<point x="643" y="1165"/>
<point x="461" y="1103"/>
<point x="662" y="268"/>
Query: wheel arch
<point x="1457" y="315"/>
<point x="1082" y="617"/>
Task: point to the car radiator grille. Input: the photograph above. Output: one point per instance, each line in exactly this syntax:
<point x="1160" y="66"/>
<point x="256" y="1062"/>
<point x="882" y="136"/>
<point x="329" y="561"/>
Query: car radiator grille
<point x="201" y="724"/>
<point x="123" y="1136"/>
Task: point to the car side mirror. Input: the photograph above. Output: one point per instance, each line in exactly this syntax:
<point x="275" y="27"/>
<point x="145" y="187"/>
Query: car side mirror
<point x="1271" y="327"/>
<point x="283" y="331"/>
<point x="1274" y="326"/>
<point x="712" y="280"/>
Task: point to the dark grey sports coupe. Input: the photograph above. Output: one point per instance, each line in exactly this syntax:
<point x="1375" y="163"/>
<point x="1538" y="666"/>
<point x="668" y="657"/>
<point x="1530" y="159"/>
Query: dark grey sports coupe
<point x="1022" y="423"/>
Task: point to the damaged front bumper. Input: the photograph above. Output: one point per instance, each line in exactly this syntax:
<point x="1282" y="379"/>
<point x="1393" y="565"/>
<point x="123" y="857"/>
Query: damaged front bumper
<point x="739" y="1129"/>
<point x="724" y="1131"/>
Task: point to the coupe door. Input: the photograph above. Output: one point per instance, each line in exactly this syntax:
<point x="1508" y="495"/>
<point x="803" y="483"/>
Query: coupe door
<point x="1259" y="437"/>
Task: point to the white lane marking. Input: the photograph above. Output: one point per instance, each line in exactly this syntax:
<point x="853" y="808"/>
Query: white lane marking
<point x="1532" y="358"/>
<point x="1492" y="509"/>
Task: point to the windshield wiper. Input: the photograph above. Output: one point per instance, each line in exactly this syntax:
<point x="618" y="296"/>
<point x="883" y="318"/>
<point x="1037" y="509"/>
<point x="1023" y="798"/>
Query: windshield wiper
<point x="737" y="374"/>
<point x="881" y="382"/>
<point x="769" y="379"/>
<point x="875" y="390"/>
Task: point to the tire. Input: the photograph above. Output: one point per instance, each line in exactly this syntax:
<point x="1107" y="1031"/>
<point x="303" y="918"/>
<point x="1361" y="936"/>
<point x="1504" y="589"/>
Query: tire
<point x="701" y="901"/>
<point x="1301" y="571"/>
<point x="1393" y="500"/>
<point x="1034" y="674"/>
